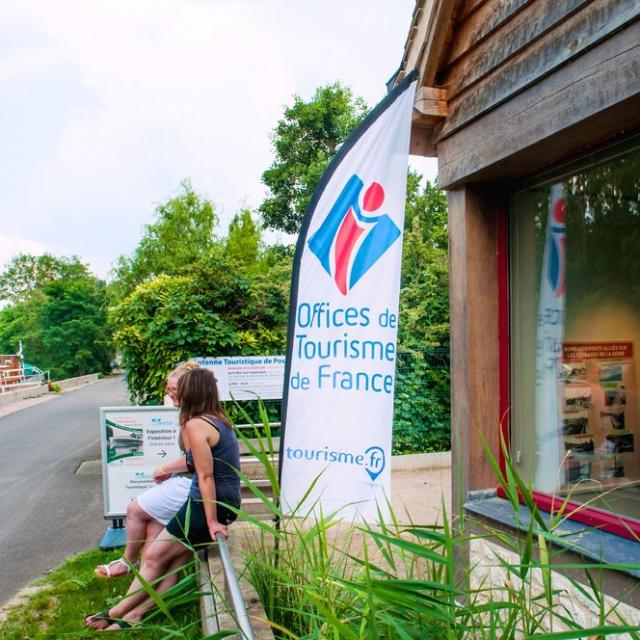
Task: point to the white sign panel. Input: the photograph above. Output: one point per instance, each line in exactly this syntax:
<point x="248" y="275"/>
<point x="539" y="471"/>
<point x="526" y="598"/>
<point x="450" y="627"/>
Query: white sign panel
<point x="135" y="440"/>
<point x="247" y="377"/>
<point x="343" y="323"/>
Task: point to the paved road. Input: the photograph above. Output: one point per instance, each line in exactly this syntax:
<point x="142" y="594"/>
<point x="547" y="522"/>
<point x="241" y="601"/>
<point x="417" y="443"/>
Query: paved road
<point x="46" y="511"/>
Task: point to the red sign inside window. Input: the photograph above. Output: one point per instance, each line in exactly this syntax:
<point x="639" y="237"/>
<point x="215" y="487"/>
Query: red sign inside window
<point x="572" y="351"/>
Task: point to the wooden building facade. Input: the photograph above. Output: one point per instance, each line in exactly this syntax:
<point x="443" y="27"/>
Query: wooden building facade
<point x="520" y="100"/>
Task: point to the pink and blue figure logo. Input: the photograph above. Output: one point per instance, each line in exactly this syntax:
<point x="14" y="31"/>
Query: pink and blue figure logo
<point x="349" y="243"/>
<point x="557" y="248"/>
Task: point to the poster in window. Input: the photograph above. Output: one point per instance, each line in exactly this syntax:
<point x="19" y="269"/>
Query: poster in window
<point x="600" y="412"/>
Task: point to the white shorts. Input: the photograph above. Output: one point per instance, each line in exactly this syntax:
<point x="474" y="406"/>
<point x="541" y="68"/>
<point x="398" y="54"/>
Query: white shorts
<point x="163" y="501"/>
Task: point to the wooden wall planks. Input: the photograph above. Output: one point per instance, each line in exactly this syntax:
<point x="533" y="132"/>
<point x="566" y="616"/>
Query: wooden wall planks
<point x="596" y="22"/>
<point x="518" y="33"/>
<point x="473" y="28"/>
<point x="591" y="85"/>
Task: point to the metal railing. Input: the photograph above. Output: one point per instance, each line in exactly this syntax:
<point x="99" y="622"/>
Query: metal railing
<point x="235" y="593"/>
<point x="11" y="379"/>
<point x="209" y="587"/>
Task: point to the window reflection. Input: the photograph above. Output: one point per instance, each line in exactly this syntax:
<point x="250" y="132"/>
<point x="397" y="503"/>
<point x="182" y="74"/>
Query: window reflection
<point x="575" y="329"/>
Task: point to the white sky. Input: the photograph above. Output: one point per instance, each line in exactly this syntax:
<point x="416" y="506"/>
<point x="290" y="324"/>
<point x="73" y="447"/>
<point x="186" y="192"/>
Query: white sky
<point x="108" y="104"/>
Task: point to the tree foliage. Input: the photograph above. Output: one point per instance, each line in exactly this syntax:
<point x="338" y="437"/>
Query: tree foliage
<point x="304" y="141"/>
<point x="422" y="400"/>
<point x="243" y="240"/>
<point x="60" y="320"/>
<point x="181" y="235"/>
<point x="231" y="300"/>
<point x="74" y="327"/>
<point x="26" y="273"/>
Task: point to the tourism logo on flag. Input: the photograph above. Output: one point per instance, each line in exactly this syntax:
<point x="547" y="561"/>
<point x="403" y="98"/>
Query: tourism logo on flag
<point x="349" y="243"/>
<point x="557" y="247"/>
<point x="337" y="407"/>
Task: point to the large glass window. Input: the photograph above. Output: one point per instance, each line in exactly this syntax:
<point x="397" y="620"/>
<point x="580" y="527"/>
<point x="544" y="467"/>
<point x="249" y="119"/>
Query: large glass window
<point x="575" y="338"/>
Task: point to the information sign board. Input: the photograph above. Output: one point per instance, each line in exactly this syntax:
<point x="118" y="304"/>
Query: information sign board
<point x="247" y="377"/>
<point x="135" y="440"/>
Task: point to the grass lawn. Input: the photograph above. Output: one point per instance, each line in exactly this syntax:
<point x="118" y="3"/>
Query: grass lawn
<point x="73" y="591"/>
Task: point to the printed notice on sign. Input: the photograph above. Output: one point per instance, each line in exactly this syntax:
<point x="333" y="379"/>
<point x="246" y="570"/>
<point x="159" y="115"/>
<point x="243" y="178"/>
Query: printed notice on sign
<point x="247" y="377"/>
<point x="135" y="440"/>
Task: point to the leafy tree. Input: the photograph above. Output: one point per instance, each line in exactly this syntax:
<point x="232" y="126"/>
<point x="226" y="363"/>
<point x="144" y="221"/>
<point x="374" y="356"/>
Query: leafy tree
<point x="243" y="240"/>
<point x="222" y="308"/>
<point x="304" y="141"/>
<point x="73" y="325"/>
<point x="422" y="403"/>
<point x="25" y="273"/>
<point x="210" y="296"/>
<point x="182" y="234"/>
<point x="61" y="323"/>
<point x="20" y="322"/>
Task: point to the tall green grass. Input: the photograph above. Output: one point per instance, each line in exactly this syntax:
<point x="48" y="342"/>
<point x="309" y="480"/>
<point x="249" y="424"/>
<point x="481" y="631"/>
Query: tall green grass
<point x="320" y="579"/>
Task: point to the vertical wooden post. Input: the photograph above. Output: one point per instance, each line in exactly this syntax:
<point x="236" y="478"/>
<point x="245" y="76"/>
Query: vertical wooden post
<point x="475" y="362"/>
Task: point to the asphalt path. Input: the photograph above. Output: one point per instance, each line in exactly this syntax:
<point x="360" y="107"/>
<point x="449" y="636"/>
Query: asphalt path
<point x="47" y="512"/>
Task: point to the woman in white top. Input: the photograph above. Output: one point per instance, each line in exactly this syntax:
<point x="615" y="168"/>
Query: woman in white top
<point x="148" y="514"/>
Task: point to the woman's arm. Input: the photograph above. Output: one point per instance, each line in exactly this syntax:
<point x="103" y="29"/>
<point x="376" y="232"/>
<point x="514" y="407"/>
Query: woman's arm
<point x="164" y="471"/>
<point x="177" y="465"/>
<point x="202" y="437"/>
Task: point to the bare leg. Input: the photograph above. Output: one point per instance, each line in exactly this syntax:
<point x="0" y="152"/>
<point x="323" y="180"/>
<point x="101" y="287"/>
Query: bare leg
<point x="160" y="555"/>
<point x="138" y="522"/>
<point x="171" y="579"/>
<point x="153" y="529"/>
<point x="140" y="528"/>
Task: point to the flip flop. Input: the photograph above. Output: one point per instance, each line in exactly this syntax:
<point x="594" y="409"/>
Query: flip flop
<point x="121" y="624"/>
<point x="106" y="568"/>
<point x="97" y="617"/>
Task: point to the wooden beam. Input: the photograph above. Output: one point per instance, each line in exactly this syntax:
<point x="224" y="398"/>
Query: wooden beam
<point x="490" y="16"/>
<point x="473" y="295"/>
<point x="430" y="101"/>
<point x="601" y="86"/>
<point x="421" y="142"/>
<point x="438" y="33"/>
<point x="470" y="6"/>
<point x="417" y="33"/>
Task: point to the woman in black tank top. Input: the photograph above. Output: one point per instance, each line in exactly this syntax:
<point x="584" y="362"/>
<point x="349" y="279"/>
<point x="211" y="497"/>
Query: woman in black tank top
<point x="214" y="449"/>
<point x="216" y="458"/>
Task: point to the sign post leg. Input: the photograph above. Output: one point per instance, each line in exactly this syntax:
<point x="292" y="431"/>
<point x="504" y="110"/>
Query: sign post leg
<point x="115" y="536"/>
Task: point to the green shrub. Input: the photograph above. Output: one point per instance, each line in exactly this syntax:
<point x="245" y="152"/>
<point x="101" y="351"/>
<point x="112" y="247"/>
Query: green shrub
<point x="422" y="405"/>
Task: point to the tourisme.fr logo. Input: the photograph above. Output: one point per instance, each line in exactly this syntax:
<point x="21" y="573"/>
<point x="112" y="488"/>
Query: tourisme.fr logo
<point x="348" y="242"/>
<point x="372" y="460"/>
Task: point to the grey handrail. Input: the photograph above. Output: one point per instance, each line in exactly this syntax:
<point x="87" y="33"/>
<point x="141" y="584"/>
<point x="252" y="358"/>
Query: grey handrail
<point x="237" y="601"/>
<point x="246" y="425"/>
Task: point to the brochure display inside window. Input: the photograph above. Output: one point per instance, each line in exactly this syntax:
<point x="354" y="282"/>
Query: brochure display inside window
<point x="575" y="331"/>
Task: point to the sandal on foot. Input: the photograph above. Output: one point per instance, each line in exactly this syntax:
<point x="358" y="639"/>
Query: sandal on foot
<point x="106" y="568"/>
<point x="102" y="616"/>
<point x="121" y="624"/>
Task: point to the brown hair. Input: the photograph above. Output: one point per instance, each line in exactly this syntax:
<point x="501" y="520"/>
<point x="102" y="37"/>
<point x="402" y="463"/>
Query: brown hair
<point x="198" y="396"/>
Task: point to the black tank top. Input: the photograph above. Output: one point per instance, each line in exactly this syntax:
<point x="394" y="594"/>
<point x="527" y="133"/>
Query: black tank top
<point x="226" y="461"/>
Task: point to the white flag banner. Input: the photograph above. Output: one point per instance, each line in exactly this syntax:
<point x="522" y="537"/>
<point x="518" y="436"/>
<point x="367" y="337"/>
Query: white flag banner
<point x="341" y="352"/>
<point x="549" y="348"/>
